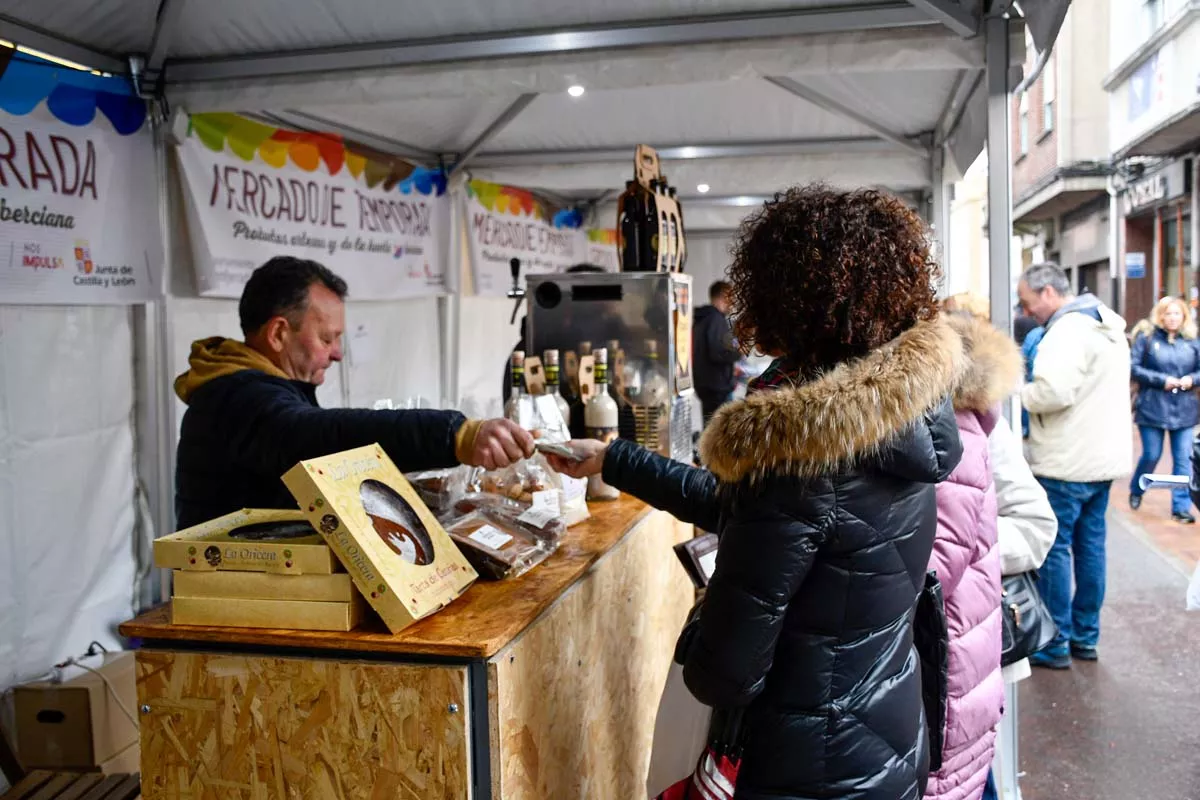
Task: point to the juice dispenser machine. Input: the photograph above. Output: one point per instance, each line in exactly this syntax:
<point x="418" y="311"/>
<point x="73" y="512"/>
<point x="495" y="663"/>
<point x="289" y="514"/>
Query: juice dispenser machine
<point x="646" y="317"/>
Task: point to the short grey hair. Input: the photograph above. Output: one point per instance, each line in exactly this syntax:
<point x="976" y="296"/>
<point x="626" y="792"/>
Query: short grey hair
<point x="1039" y="276"/>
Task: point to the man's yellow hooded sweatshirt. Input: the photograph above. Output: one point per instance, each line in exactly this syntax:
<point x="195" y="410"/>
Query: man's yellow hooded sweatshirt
<point x="247" y="424"/>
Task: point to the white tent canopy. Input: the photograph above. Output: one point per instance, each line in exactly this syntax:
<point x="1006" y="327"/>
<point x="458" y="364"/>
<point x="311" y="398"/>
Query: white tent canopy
<point x="748" y="96"/>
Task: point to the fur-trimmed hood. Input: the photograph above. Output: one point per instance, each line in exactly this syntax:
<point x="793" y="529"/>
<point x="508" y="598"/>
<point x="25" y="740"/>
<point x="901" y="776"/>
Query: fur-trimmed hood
<point x="840" y="418"/>
<point x="994" y="365"/>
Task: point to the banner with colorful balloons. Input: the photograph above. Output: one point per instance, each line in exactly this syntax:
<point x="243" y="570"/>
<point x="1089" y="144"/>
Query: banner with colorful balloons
<point x="254" y="192"/>
<point x="504" y="223"/>
<point x="78" y="200"/>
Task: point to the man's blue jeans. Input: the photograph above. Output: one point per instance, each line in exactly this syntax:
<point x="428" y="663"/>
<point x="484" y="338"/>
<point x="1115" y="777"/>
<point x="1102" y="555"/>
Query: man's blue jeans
<point x="1078" y="551"/>
<point x="1181" y="457"/>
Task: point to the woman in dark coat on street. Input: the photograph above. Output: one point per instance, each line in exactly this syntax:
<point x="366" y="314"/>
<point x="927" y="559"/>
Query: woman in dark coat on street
<point x="821" y="486"/>
<point x="1165" y="364"/>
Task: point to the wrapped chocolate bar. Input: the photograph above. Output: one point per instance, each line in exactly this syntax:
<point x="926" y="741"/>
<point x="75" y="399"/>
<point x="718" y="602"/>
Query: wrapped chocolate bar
<point x="440" y="489"/>
<point x="496" y="548"/>
<point x="541" y="519"/>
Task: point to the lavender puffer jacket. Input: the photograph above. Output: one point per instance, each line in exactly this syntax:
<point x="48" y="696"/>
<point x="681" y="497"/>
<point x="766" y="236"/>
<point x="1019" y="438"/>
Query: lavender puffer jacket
<point x="967" y="561"/>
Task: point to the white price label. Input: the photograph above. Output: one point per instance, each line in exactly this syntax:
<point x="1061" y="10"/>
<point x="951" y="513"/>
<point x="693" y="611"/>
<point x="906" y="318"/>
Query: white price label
<point x="547" y="499"/>
<point x="540" y="517"/>
<point x="573" y="487"/>
<point x="491" y="537"/>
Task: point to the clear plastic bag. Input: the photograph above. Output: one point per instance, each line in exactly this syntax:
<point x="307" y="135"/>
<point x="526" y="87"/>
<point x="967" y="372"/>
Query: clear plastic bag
<point x="496" y="549"/>
<point x="440" y="489"/>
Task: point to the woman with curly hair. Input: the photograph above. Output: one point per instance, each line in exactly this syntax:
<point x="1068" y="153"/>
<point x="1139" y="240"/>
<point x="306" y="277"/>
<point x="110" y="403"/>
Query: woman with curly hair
<point x="821" y="486"/>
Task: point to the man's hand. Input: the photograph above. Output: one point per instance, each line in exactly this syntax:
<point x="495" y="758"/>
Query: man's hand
<point x="500" y="442"/>
<point x="1185" y="383"/>
<point x="591" y="451"/>
<point x="1172" y="383"/>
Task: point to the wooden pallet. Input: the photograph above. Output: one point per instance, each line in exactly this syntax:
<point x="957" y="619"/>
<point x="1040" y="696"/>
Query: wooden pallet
<point x="47" y="785"/>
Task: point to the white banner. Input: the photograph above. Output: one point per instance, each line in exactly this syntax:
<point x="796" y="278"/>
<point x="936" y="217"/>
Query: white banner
<point x="504" y="223"/>
<point x="242" y="212"/>
<point x="602" y="249"/>
<point x="78" y="212"/>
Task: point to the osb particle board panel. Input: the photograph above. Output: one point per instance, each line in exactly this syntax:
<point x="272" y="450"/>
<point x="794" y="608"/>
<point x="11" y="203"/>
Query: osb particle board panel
<point x="575" y="697"/>
<point x="255" y="727"/>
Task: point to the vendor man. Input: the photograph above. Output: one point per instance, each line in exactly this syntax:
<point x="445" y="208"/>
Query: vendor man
<point x="252" y="406"/>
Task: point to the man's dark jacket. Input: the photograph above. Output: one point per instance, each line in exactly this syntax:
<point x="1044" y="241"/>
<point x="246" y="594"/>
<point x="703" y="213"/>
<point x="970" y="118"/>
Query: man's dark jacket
<point x="244" y="428"/>
<point x="713" y="353"/>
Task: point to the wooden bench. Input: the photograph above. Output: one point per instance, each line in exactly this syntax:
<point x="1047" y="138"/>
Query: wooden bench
<point x="47" y="785"/>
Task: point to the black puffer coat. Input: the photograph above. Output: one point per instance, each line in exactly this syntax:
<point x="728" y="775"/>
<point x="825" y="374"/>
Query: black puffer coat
<point x="823" y="495"/>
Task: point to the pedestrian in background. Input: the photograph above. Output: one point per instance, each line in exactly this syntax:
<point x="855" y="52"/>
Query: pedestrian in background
<point x="714" y="353"/>
<point x="1079" y="408"/>
<point x="1165" y="364"/>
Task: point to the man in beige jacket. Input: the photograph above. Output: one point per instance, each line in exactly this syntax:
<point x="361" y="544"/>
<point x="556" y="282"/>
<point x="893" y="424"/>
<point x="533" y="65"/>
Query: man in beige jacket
<point x="1079" y="442"/>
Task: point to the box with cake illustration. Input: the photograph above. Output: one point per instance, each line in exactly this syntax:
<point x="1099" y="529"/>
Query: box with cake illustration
<point x="397" y="553"/>
<point x="250" y="540"/>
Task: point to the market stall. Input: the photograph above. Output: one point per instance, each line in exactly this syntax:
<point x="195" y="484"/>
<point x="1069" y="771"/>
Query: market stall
<point x="543" y="686"/>
<point x="527" y="96"/>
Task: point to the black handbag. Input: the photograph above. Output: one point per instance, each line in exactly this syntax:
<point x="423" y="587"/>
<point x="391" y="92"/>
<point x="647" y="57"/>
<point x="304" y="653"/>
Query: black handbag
<point x="932" y="641"/>
<point x="1028" y="626"/>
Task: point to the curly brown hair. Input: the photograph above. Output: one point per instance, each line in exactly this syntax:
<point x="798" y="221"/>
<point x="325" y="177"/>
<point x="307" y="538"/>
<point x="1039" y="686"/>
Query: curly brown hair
<point x="823" y="276"/>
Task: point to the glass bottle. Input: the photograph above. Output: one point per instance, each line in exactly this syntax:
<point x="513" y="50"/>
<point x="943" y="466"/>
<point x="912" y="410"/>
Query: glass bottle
<point x="552" y="385"/>
<point x="601" y="420"/>
<point x="655" y="388"/>
<point x="629" y="215"/>
<point x="512" y="409"/>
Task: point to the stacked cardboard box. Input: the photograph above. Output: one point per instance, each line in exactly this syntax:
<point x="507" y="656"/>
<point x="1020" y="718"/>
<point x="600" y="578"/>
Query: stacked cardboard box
<point x="77" y="721"/>
<point x="362" y="536"/>
<point x="258" y="568"/>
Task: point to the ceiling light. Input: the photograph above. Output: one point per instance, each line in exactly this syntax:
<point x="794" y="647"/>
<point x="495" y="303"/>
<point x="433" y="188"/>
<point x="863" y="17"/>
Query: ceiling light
<point x="702" y="188"/>
<point x="576" y="91"/>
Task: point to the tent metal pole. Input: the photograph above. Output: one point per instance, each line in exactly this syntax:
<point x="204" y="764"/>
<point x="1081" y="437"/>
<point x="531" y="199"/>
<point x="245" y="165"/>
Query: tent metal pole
<point x="999" y="211"/>
<point x="672" y="33"/>
<point x="311" y="123"/>
<point x="683" y="152"/>
<point x="165" y="27"/>
<point x="46" y="42"/>
<point x="939" y="216"/>
<point x="500" y="123"/>
<point x="798" y="89"/>
<point x="950" y="13"/>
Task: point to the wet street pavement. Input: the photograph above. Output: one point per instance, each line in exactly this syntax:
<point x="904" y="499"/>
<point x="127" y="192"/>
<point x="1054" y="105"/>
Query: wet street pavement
<point x="1127" y="727"/>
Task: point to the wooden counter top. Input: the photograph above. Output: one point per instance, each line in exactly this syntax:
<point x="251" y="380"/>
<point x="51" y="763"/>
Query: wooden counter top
<point x="488" y="616"/>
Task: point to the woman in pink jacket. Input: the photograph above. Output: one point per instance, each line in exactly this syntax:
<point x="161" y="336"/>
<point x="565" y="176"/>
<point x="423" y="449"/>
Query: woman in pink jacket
<point x="967" y="562"/>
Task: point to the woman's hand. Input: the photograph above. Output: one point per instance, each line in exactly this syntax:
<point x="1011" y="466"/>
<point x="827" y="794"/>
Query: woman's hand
<point x="591" y="454"/>
<point x="1185" y="383"/>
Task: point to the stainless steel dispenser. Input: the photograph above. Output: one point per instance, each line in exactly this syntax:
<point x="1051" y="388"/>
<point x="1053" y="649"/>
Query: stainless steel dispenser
<point x="650" y="316"/>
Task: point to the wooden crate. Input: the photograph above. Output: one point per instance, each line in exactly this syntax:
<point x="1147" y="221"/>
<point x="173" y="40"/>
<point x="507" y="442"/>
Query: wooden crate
<point x="47" y="785"/>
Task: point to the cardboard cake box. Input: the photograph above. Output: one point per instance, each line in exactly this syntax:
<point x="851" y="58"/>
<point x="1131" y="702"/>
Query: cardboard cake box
<point x="336" y="588"/>
<point x="398" y="555"/>
<point x="296" y="615"/>
<point x="252" y="540"/>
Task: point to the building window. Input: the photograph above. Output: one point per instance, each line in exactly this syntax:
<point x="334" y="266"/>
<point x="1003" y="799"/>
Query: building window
<point x="1023" y="124"/>
<point x="1049" y="94"/>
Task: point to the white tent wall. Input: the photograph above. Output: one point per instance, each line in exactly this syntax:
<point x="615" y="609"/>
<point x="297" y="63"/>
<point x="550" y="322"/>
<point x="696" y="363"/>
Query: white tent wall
<point x="68" y="505"/>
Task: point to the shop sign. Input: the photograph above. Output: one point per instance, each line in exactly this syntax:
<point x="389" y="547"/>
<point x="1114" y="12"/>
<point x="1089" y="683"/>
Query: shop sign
<point x="1135" y="265"/>
<point x="1166" y="184"/>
